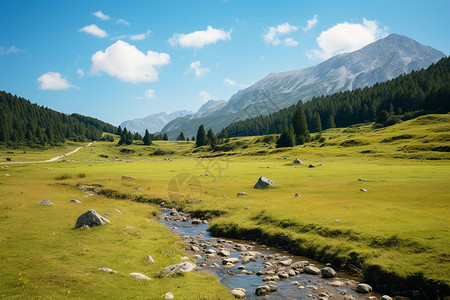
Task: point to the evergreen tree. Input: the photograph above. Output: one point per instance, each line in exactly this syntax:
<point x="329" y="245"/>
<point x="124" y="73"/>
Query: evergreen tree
<point x="119" y="131"/>
<point x="181" y="137"/>
<point x="147" y="139"/>
<point x="300" y="126"/>
<point x="316" y="123"/>
<point x="212" y="139"/>
<point x="287" y="138"/>
<point x="165" y="137"/>
<point x="201" y="138"/>
<point x="193" y="139"/>
<point x="330" y="122"/>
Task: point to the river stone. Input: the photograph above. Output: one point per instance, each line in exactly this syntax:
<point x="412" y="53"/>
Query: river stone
<point x="75" y="201"/>
<point x="263" y="182"/>
<point x="195" y="248"/>
<point x="242" y="194"/>
<point x="238" y="293"/>
<point x="210" y="251"/>
<point x="286" y="262"/>
<point x="182" y="267"/>
<point x="337" y="283"/>
<point x="297" y="161"/>
<point x="328" y="272"/>
<point x="299" y="264"/>
<point x="149" y="259"/>
<point x="231" y="260"/>
<point x="273" y="288"/>
<point x="168" y="296"/>
<point x="140" y="276"/>
<point x="262" y="290"/>
<point x="283" y="274"/>
<point x="107" y="270"/>
<point x="196" y="221"/>
<point x="291" y="272"/>
<point x="363" y="288"/>
<point x="90" y="218"/>
<point x="45" y="202"/>
<point x="385" y="297"/>
<point x="312" y="270"/>
<point x="223" y="253"/>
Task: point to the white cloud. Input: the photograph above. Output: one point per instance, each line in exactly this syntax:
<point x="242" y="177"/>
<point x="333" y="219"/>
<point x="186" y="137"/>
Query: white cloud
<point x="10" y="50"/>
<point x="262" y="57"/>
<point x="204" y="97"/>
<point x="127" y="63"/>
<point x="122" y="21"/>
<point x="311" y="23"/>
<point x="94" y="30"/>
<point x="198" y="39"/>
<point x="141" y="36"/>
<point x="346" y="37"/>
<point x="101" y="15"/>
<point x="53" y="81"/>
<point x="198" y="70"/>
<point x="290" y="42"/>
<point x="80" y="72"/>
<point x="271" y="36"/>
<point x="229" y="81"/>
<point x="150" y="93"/>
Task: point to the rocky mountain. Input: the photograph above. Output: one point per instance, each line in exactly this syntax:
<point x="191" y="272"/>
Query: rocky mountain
<point x="379" y="61"/>
<point x="154" y="123"/>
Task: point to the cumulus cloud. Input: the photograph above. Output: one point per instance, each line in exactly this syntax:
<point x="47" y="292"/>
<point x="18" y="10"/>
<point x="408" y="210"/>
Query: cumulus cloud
<point x="346" y="37"/>
<point x="198" y="39"/>
<point x="53" y="81"/>
<point x="141" y="36"/>
<point x="101" y="15"/>
<point x="150" y="93"/>
<point x="229" y="81"/>
<point x="198" y="70"/>
<point x="271" y="36"/>
<point x="123" y="22"/>
<point x="310" y="23"/>
<point x="10" y="50"/>
<point x="127" y="63"/>
<point x="204" y="97"/>
<point x="290" y="42"/>
<point x="94" y="30"/>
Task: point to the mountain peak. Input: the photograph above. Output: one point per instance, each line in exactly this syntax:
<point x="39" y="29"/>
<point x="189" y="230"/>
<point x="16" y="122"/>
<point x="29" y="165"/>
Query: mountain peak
<point x="209" y="104"/>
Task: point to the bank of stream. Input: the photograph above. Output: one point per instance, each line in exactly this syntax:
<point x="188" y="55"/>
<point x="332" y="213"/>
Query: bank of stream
<point x="248" y="265"/>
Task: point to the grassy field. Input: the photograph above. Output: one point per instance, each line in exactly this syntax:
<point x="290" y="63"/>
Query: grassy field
<point x="398" y="228"/>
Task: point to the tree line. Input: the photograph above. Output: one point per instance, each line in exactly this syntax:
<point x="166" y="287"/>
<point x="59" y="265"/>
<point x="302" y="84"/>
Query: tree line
<point x="386" y="103"/>
<point x="24" y="123"/>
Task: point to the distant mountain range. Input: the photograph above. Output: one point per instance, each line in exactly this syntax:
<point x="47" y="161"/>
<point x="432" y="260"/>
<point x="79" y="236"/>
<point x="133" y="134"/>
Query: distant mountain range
<point x="154" y="123"/>
<point x="379" y="61"/>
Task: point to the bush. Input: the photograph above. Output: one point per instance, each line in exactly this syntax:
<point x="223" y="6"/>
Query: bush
<point x="81" y="175"/>
<point x="160" y="152"/>
<point x="103" y="155"/>
<point x="63" y="177"/>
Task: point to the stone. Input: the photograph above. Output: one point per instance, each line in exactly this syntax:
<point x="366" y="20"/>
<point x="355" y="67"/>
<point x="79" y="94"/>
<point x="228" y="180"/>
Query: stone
<point x="127" y="177"/>
<point x="283" y="274"/>
<point x="263" y="182"/>
<point x="107" y="270"/>
<point x="337" y="283"/>
<point x="231" y="260"/>
<point x="168" y="296"/>
<point x="262" y="290"/>
<point x="363" y="288"/>
<point x="238" y="293"/>
<point x="195" y="248"/>
<point x="385" y="297"/>
<point x="117" y="211"/>
<point x="297" y="161"/>
<point x="363" y="190"/>
<point x="291" y="272"/>
<point x="90" y="218"/>
<point x="242" y="194"/>
<point x="75" y="201"/>
<point x="45" y="202"/>
<point x="273" y="288"/>
<point x="297" y="195"/>
<point x="149" y="259"/>
<point x="140" y="276"/>
<point x="312" y="270"/>
<point x="210" y="251"/>
<point x="311" y="166"/>
<point x="184" y="258"/>
<point x="182" y="267"/>
<point x="286" y="262"/>
<point x="196" y="221"/>
<point x="299" y="264"/>
<point x="328" y="272"/>
<point x="223" y="253"/>
<point x="360" y="179"/>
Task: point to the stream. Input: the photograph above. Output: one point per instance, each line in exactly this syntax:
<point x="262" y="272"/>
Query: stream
<point x="251" y="265"/>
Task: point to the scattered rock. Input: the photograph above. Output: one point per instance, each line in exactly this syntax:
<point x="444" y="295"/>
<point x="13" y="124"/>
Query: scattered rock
<point x="311" y="166"/>
<point x="182" y="267"/>
<point x="297" y="161"/>
<point x="140" y="276"/>
<point x="45" y="202"/>
<point x="223" y="253"/>
<point x="107" y="270"/>
<point x="128" y="227"/>
<point x="84" y="227"/>
<point x="363" y="288"/>
<point x="363" y="190"/>
<point x="263" y="182"/>
<point x="262" y="290"/>
<point x="127" y="177"/>
<point x="149" y="259"/>
<point x="337" y="283"/>
<point x="238" y="293"/>
<point x="196" y="221"/>
<point x="168" y="296"/>
<point x="75" y="201"/>
<point x="90" y="218"/>
<point x="299" y="264"/>
<point x="283" y="274"/>
<point x="328" y="272"/>
<point x="360" y="179"/>
<point x="385" y="297"/>
<point x="312" y="270"/>
<point x="286" y="262"/>
<point x="231" y="260"/>
<point x="297" y="195"/>
<point x="184" y="258"/>
<point x="117" y="211"/>
<point x="242" y="194"/>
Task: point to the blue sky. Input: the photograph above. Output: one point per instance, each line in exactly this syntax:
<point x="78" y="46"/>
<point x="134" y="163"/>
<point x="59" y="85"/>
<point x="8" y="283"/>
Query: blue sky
<point x="120" y="60"/>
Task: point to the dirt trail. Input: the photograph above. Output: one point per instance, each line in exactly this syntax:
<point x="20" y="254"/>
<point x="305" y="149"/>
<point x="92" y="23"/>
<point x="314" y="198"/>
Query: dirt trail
<point x="45" y="161"/>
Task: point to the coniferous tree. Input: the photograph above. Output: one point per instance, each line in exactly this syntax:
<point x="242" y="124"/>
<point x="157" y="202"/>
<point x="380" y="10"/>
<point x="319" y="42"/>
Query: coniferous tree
<point x="147" y="139"/>
<point x="193" y="139"/>
<point x="212" y="139"/>
<point x="300" y="126"/>
<point x="330" y="122"/>
<point x="201" y="138"/>
<point x="181" y="137"/>
<point x="316" y="123"/>
<point x="119" y="131"/>
<point x="165" y="137"/>
<point x="287" y="138"/>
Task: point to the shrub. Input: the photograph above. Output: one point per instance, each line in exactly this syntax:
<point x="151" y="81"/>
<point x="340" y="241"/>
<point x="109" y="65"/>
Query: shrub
<point x="63" y="177"/>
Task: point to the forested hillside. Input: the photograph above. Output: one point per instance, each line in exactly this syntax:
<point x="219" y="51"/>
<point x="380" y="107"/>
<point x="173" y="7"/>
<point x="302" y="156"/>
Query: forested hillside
<point x="24" y="123"/>
<point x="424" y="91"/>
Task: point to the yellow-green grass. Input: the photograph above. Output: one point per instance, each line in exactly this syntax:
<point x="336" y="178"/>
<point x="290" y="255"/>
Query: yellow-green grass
<point x="399" y="225"/>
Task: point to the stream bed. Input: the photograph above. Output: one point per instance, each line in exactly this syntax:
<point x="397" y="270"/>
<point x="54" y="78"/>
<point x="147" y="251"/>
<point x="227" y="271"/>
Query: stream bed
<point x="249" y="265"/>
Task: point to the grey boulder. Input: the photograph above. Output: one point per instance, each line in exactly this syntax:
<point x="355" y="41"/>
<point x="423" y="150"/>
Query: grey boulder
<point x="182" y="267"/>
<point x="328" y="272"/>
<point x="45" y="202"/>
<point x="90" y="218"/>
<point x="297" y="161"/>
<point x="363" y="288"/>
<point x="263" y="182"/>
<point x="312" y="270"/>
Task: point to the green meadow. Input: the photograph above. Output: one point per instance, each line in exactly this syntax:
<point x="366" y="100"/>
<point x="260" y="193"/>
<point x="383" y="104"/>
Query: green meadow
<point x="396" y="231"/>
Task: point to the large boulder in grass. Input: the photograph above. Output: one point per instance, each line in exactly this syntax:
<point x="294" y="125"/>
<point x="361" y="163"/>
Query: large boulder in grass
<point x="90" y="218"/>
<point x="182" y="267"/>
<point x="263" y="183"/>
